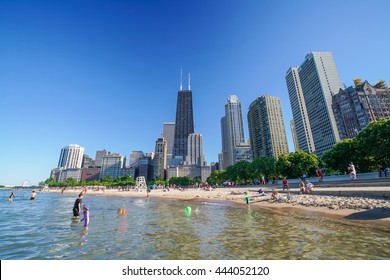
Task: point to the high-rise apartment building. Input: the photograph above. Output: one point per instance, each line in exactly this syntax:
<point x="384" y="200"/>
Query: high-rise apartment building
<point x="224" y="137"/>
<point x="71" y="156"/>
<point x="87" y="161"/>
<point x="112" y="165"/>
<point x="267" y="132"/>
<point x="160" y="158"/>
<point x="355" y="107"/>
<point x="99" y="157"/>
<point x="184" y="124"/>
<point x="134" y="157"/>
<point x="195" y="150"/>
<point x="232" y="130"/>
<point x="318" y="79"/>
<point x="169" y="136"/>
<point x="294" y="135"/>
<point x="301" y="122"/>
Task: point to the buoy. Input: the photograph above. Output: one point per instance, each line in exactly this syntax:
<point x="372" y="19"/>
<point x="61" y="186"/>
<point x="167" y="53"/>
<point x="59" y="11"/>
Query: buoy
<point x="188" y="209"/>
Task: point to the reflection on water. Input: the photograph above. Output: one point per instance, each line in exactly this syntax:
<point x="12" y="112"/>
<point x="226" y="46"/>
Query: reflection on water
<point x="162" y="229"/>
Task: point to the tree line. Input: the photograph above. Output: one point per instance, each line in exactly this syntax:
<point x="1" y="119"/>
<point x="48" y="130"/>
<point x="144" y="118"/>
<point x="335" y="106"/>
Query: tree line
<point x="369" y="151"/>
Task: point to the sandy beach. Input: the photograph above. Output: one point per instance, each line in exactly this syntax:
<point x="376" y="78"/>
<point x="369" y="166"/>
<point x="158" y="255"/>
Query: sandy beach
<point x="364" y="208"/>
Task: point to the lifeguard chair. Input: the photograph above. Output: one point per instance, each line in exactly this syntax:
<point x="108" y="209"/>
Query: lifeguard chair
<point x="140" y="182"/>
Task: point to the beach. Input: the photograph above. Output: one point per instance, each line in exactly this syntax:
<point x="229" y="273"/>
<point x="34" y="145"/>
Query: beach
<point x="364" y="203"/>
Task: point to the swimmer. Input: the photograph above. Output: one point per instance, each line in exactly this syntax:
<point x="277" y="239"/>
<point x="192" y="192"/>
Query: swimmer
<point x="85" y="215"/>
<point x="11" y="197"/>
<point x="33" y="195"/>
<point x="122" y="211"/>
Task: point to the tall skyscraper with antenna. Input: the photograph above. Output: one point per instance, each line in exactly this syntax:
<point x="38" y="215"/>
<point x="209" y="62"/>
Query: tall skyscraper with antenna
<point x="184" y="120"/>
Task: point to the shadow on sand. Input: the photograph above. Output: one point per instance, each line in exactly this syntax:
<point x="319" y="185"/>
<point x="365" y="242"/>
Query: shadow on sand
<point x="372" y="214"/>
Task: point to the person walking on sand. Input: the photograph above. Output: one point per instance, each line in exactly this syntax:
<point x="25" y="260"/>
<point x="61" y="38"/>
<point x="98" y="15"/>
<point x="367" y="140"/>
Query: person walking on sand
<point x="285" y="184"/>
<point x="77" y="206"/>
<point x="320" y="175"/>
<point x="352" y="171"/>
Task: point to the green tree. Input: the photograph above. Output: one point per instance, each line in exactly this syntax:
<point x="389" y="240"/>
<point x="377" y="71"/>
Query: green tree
<point x="217" y="177"/>
<point x="373" y="144"/>
<point x="297" y="163"/>
<point x="263" y="166"/>
<point x="341" y="154"/>
<point x="181" y="181"/>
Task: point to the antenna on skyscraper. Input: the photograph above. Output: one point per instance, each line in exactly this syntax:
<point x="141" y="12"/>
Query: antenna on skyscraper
<point x="181" y="79"/>
<point x="189" y="81"/>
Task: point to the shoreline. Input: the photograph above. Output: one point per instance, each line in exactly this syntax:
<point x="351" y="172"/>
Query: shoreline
<point x="347" y="209"/>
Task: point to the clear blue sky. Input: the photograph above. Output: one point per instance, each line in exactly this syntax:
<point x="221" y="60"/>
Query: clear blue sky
<point x="105" y="74"/>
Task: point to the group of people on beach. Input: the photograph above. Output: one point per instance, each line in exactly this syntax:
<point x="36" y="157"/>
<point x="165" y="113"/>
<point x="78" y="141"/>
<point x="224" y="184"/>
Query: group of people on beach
<point x="275" y="196"/>
<point x="305" y="187"/>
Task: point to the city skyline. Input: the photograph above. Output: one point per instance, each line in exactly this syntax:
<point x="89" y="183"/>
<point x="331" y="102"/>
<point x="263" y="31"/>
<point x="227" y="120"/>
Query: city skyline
<point x="106" y="76"/>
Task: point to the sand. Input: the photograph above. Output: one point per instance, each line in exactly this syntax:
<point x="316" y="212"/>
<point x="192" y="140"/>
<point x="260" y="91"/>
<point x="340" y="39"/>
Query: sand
<point x="366" y="209"/>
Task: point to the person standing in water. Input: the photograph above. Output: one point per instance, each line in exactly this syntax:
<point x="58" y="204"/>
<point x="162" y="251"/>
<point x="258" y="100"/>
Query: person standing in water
<point x="85" y="218"/>
<point x="33" y="195"/>
<point x="11" y="197"/>
<point x="247" y="199"/>
<point x="77" y="206"/>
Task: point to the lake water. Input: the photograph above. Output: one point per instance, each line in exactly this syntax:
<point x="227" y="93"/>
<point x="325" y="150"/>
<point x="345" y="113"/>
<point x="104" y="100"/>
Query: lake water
<point x="161" y="229"/>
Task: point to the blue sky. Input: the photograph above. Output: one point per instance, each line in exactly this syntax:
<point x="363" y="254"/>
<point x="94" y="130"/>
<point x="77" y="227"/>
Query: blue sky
<point x="105" y="74"/>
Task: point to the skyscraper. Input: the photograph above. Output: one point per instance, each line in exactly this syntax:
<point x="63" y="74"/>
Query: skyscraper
<point x="169" y="136"/>
<point x="134" y="157"/>
<point x="294" y="135"/>
<point x="195" y="150"/>
<point x="318" y="79"/>
<point x="267" y="132"/>
<point x="112" y="165"/>
<point x="184" y="121"/>
<point x="224" y="137"/>
<point x="232" y="130"/>
<point x="301" y="122"/>
<point x="160" y="158"/>
<point x="99" y="157"/>
<point x="71" y="156"/>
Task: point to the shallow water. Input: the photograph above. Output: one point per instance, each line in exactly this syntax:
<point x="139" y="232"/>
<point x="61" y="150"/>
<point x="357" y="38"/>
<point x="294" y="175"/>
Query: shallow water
<point x="161" y="229"/>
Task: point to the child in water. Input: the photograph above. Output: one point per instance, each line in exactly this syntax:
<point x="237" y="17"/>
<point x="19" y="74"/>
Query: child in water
<point x="247" y="199"/>
<point x="85" y="215"/>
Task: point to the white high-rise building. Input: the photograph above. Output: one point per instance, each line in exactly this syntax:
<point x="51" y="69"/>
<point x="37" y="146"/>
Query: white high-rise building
<point x="195" y="150"/>
<point x="71" y="156"/>
<point x="318" y="79"/>
<point x="232" y="130"/>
